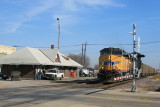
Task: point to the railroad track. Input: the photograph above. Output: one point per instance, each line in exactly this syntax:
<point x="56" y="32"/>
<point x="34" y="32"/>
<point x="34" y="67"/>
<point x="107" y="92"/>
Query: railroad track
<point x="90" y="84"/>
<point x="105" y="85"/>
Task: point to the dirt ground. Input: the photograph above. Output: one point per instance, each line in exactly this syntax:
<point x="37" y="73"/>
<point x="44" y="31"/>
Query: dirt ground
<point x="151" y="83"/>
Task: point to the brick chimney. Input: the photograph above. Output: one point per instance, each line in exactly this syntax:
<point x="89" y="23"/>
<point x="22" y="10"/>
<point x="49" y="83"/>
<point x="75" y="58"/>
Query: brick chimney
<point x="52" y="46"/>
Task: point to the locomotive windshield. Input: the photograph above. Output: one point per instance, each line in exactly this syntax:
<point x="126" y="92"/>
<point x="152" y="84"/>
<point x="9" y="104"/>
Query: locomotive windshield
<point x="113" y="51"/>
<point x="105" y="53"/>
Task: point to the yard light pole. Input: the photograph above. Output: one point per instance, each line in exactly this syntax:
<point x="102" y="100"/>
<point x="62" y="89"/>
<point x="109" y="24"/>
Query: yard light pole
<point x="134" y="87"/>
<point x="58" y="34"/>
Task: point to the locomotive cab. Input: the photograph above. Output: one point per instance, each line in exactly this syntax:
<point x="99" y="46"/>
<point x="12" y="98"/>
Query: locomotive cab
<point x="113" y="63"/>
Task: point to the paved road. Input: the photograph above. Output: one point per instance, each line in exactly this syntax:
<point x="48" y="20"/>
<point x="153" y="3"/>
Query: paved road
<point x="37" y="94"/>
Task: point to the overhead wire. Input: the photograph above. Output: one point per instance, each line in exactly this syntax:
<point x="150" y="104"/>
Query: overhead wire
<point x="151" y="42"/>
<point x="143" y="43"/>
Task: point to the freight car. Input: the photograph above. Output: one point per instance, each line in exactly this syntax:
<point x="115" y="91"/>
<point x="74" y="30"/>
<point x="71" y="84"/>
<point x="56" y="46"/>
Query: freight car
<point x="115" y="64"/>
<point x="147" y="70"/>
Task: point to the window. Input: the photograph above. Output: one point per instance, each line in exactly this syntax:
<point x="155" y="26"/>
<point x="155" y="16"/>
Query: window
<point x="105" y="53"/>
<point x="53" y="71"/>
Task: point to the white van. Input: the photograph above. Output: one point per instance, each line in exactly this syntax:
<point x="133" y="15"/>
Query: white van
<point x="84" y="73"/>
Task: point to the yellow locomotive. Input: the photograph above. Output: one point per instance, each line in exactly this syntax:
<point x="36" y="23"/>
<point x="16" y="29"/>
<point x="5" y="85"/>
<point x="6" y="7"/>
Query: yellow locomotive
<point x="114" y="64"/>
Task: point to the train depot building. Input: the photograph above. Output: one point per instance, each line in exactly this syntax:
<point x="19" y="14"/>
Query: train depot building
<point x="28" y="59"/>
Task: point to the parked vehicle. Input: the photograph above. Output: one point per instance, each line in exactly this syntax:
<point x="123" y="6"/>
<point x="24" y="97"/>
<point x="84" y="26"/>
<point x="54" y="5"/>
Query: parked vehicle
<point x="54" y="74"/>
<point x="92" y="74"/>
<point x="3" y="77"/>
<point x="15" y="75"/>
<point x="84" y="73"/>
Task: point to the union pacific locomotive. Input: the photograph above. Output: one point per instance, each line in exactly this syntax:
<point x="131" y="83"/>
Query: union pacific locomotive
<point x="115" y="64"/>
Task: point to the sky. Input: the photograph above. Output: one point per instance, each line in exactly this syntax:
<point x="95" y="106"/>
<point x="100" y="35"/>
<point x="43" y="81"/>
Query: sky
<point x="100" y="23"/>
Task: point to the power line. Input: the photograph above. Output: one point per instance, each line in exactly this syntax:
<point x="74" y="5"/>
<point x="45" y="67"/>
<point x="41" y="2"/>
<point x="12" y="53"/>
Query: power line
<point x="128" y="44"/>
<point x="151" y="42"/>
<point x="143" y="43"/>
<point x="66" y="51"/>
<point x="99" y="44"/>
<point x="49" y="47"/>
<point x="27" y="46"/>
<point x="71" y="45"/>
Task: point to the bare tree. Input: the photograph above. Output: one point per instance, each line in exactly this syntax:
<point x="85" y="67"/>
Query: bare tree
<point x="96" y="66"/>
<point x="78" y="58"/>
<point x="87" y="62"/>
<point x="75" y="57"/>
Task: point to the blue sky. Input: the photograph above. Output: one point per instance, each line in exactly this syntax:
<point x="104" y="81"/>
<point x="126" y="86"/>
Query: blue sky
<point x="33" y="23"/>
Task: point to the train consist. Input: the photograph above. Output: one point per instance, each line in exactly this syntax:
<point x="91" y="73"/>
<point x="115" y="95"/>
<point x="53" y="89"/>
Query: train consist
<point x="115" y="64"/>
<point x="147" y="70"/>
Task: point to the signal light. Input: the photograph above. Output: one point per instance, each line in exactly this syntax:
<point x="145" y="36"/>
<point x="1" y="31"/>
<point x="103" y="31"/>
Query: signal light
<point x="140" y="55"/>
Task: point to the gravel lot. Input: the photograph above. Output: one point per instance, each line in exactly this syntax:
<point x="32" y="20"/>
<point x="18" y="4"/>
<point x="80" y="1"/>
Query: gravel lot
<point x="151" y="83"/>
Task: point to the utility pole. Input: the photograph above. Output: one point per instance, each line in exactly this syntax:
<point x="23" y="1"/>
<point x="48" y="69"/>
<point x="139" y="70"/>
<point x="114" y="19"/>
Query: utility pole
<point x="58" y="34"/>
<point x="85" y="53"/>
<point x="82" y="55"/>
<point x="134" y="87"/>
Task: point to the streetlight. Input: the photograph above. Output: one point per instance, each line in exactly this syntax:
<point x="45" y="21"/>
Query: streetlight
<point x="58" y="34"/>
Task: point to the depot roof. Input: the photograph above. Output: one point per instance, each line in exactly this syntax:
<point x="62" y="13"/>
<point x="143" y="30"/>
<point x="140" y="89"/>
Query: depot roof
<point x="34" y="56"/>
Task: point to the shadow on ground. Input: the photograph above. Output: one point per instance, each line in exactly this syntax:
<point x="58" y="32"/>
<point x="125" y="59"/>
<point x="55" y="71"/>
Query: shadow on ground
<point x="158" y="90"/>
<point x="79" y="81"/>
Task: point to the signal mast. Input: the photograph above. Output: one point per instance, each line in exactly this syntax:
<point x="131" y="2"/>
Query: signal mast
<point x="134" y="87"/>
<point x="136" y="66"/>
